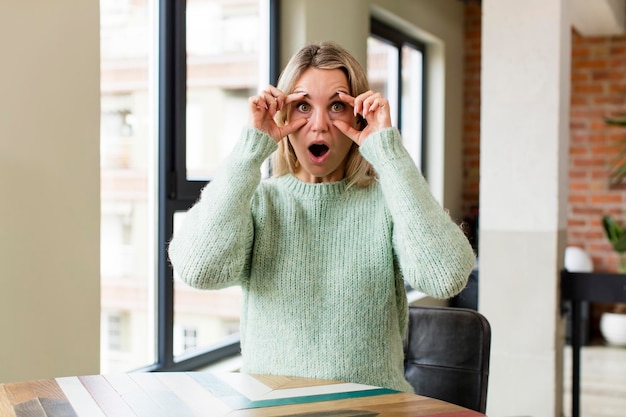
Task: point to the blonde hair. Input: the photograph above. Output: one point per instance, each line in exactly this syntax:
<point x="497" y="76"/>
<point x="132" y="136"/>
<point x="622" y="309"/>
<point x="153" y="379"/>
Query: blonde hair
<point x="323" y="55"/>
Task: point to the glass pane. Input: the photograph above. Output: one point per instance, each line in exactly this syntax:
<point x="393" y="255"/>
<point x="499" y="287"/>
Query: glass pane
<point x="382" y="72"/>
<point x="412" y="84"/>
<point x="224" y="40"/>
<point x="227" y="62"/>
<point x="203" y="318"/>
<point x="127" y="141"/>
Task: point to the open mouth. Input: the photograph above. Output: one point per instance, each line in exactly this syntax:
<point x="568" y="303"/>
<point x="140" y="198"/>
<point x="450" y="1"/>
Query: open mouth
<point x="318" y="150"/>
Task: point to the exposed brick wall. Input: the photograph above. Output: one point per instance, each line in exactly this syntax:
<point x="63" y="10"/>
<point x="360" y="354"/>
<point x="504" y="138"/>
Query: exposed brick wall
<point x="598" y="90"/>
<point x="471" y="117"/>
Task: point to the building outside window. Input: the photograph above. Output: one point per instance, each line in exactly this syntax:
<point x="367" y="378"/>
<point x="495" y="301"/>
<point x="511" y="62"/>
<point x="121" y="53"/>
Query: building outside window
<point x="114" y="333"/>
<point x="127" y="184"/>
<point x="225" y="63"/>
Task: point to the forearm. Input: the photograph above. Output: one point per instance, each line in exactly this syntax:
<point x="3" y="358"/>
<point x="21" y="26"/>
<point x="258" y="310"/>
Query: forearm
<point x="434" y="255"/>
<point x="211" y="247"/>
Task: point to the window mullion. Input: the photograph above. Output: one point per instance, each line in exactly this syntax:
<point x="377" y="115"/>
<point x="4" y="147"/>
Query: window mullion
<point x="166" y="185"/>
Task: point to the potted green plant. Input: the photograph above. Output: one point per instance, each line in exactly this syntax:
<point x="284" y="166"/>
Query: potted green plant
<point x="613" y="321"/>
<point x="616" y="234"/>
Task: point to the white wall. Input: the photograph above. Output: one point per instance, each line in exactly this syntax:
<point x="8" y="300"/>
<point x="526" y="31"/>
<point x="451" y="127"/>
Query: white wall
<point x="523" y="200"/>
<point x="49" y="187"/>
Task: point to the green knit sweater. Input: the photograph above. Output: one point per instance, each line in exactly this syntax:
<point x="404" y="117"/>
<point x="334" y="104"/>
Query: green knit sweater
<point x="322" y="265"/>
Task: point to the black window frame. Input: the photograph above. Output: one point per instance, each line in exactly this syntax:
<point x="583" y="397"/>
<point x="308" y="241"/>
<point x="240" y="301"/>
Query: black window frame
<point x="397" y="38"/>
<point x="175" y="193"/>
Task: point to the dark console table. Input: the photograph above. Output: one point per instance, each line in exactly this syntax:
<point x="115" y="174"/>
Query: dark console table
<point x="579" y="288"/>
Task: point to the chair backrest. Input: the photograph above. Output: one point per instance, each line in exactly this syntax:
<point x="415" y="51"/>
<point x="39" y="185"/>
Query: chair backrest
<point x="447" y="355"/>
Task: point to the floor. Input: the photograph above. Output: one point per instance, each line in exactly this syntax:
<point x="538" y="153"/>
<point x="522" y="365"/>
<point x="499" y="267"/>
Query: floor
<point x="602" y="383"/>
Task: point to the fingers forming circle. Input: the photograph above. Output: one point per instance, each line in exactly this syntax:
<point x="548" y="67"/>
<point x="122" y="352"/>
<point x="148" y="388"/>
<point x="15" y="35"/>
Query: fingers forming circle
<point x="270" y="101"/>
<point x="259" y="101"/>
<point x="276" y="96"/>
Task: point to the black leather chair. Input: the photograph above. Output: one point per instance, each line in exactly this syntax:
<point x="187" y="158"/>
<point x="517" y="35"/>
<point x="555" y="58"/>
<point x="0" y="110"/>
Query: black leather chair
<point x="447" y="355"/>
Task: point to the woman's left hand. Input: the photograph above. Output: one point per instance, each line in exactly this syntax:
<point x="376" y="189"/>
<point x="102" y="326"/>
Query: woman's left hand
<point x="372" y="107"/>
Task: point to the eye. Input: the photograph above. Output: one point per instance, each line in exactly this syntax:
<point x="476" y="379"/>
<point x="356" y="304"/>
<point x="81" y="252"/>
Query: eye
<point x="337" y="107"/>
<point x="303" y="107"/>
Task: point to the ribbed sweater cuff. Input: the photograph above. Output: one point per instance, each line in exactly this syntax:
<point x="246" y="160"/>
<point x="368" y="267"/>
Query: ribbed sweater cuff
<point x="254" y="145"/>
<point x="384" y="145"/>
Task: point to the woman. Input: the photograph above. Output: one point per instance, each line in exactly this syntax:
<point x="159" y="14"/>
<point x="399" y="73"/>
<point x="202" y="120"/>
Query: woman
<point x="322" y="248"/>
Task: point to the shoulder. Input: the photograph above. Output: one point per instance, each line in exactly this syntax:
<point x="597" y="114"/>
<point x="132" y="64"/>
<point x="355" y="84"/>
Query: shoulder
<point x="270" y="186"/>
<point x="269" y="192"/>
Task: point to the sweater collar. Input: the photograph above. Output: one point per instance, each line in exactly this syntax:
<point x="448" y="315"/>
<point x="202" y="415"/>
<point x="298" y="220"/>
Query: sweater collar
<point x="314" y="191"/>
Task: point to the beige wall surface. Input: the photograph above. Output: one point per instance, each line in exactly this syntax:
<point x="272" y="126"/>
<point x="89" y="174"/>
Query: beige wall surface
<point x="49" y="182"/>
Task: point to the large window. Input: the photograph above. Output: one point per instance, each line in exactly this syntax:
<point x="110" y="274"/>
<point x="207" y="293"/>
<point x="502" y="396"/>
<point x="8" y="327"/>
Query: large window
<point x="395" y="66"/>
<point x="128" y="195"/>
<point x="175" y="80"/>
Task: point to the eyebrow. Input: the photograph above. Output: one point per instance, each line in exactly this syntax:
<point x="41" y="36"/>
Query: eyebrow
<point x="335" y="94"/>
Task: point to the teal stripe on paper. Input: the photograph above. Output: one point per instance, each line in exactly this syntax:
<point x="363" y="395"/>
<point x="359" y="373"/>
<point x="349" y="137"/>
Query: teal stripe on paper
<point x="221" y="390"/>
<point x="238" y="401"/>
<point x="320" y="397"/>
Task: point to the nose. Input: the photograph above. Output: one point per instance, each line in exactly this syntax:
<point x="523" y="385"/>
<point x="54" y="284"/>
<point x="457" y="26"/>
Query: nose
<point x="320" y="122"/>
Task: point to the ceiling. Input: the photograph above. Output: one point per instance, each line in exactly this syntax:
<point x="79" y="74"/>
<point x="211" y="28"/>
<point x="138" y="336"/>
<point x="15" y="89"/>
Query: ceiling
<point x="599" y="17"/>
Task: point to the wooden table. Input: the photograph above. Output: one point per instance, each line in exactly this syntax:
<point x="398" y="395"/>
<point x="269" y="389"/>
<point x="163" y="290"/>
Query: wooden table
<point x="204" y="394"/>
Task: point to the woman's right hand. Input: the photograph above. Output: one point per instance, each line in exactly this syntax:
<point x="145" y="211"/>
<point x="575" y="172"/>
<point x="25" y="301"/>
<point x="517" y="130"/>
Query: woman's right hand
<point x="263" y="108"/>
